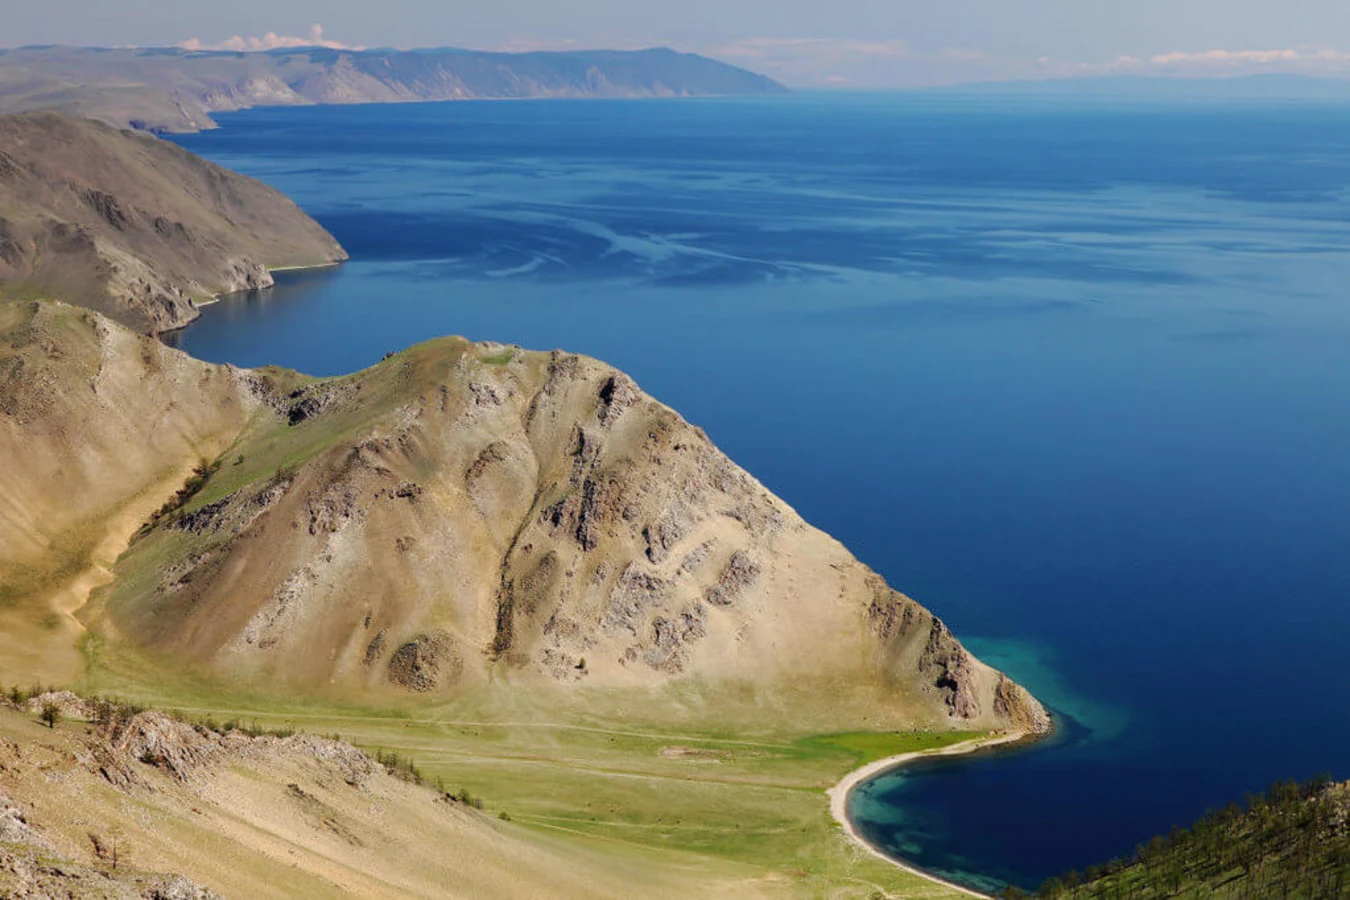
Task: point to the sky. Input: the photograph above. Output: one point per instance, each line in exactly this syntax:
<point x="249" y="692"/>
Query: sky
<point x="804" y="43"/>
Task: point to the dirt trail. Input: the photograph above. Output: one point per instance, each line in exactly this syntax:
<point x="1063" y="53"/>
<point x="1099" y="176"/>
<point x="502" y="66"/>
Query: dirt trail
<point x="47" y="648"/>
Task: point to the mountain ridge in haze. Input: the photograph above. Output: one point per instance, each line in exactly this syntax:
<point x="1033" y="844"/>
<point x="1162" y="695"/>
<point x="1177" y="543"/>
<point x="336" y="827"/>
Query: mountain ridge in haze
<point x="176" y="90"/>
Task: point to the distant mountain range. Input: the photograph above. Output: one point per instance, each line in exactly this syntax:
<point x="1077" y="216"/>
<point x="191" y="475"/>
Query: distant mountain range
<point x="176" y="90"/>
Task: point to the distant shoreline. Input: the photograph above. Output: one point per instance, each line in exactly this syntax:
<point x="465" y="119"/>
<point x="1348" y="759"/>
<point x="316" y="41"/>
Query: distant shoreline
<point x="333" y="264"/>
<point x="216" y="298"/>
<point x="840" y="793"/>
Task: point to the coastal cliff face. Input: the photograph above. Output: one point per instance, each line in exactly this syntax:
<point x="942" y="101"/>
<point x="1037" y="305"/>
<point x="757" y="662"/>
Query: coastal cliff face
<point x="169" y="89"/>
<point x="463" y="514"/>
<point x="135" y="227"/>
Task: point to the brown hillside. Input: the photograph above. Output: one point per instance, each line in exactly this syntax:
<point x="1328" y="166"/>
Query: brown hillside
<point x="136" y="227"/>
<point x="457" y="516"/>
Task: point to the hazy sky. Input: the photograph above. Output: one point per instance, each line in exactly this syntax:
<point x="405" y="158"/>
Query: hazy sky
<point x="872" y="43"/>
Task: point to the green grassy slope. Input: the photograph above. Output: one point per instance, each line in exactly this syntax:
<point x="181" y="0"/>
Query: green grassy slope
<point x="629" y="789"/>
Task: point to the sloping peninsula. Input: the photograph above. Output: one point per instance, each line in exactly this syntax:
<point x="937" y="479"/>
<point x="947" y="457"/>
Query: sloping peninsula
<point x="459" y="517"/>
<point x="135" y="227"/>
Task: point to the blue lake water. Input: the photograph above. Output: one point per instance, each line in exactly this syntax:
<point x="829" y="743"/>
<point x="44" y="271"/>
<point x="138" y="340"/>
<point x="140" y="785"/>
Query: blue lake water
<point x="1074" y="377"/>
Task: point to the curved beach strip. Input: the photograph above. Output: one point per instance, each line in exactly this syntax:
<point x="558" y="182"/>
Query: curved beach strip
<point x="839" y="795"/>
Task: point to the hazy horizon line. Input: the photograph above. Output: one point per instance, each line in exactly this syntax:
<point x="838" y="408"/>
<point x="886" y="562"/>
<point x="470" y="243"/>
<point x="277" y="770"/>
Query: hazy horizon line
<point x="1126" y="68"/>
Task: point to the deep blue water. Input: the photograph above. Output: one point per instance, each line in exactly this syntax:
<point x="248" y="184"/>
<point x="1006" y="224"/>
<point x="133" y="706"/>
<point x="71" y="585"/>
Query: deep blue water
<point x="1074" y="377"/>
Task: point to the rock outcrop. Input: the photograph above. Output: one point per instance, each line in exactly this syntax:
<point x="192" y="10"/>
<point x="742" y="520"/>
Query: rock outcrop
<point x="30" y="866"/>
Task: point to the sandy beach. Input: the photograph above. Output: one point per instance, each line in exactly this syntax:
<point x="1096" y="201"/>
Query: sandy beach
<point x="839" y="795"/>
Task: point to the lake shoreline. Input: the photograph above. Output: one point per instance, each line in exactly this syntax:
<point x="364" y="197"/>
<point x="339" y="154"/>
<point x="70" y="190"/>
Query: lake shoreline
<point x="840" y="793"/>
<point x="216" y="298"/>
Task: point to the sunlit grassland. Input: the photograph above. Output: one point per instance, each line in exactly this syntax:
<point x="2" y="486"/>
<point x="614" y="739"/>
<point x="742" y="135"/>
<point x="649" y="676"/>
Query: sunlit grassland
<point x="632" y="788"/>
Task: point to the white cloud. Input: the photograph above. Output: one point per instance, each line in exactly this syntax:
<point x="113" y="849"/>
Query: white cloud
<point x="1216" y="63"/>
<point x="808" y="50"/>
<point x="269" y="41"/>
<point x="1231" y="58"/>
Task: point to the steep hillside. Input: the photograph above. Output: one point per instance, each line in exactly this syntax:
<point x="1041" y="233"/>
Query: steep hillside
<point x="177" y="90"/>
<point x="136" y="227"/>
<point x="458" y="516"/>
<point x="103" y="805"/>
<point x="97" y="426"/>
<point x="463" y="513"/>
<point x="1293" y="842"/>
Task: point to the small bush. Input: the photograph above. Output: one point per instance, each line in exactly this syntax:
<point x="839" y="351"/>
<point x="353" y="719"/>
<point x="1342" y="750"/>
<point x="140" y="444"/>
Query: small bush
<point x="468" y="799"/>
<point x="200" y="476"/>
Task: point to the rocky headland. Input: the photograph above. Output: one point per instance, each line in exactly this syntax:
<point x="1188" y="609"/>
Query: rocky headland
<point x="456" y="515"/>
<point x="136" y="227"/>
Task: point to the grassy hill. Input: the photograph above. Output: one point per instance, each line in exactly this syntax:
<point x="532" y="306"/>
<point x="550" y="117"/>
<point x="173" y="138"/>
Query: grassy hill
<point x="116" y="802"/>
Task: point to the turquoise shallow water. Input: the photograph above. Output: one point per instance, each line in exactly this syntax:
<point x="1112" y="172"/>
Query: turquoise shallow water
<point x="1074" y="377"/>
